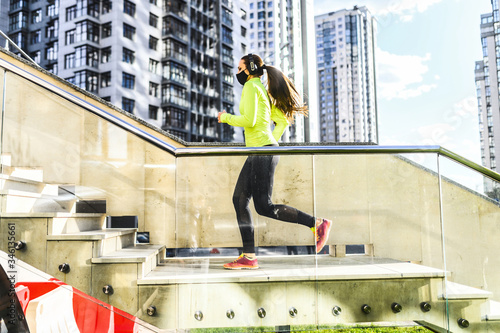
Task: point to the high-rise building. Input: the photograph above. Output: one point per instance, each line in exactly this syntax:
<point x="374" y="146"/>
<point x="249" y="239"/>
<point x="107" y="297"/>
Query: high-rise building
<point x="487" y="88"/>
<point x="346" y="76"/>
<point x="282" y="33"/>
<point x="168" y="62"/>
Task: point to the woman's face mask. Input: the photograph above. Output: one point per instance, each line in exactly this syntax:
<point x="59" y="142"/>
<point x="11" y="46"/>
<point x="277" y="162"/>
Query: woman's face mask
<point x="242" y="77"/>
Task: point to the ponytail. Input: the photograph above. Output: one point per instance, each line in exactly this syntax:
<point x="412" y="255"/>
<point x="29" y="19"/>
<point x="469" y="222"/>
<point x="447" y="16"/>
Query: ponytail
<point x="283" y="93"/>
<point x="281" y="90"/>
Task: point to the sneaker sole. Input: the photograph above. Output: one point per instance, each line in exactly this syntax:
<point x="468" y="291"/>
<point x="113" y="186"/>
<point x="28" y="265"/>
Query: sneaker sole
<point x="240" y="268"/>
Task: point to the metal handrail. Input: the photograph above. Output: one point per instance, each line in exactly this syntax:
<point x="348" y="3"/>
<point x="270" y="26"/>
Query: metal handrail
<point x="231" y="150"/>
<point x="353" y="149"/>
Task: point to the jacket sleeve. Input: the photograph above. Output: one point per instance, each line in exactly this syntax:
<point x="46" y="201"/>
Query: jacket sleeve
<point x="249" y="100"/>
<point x="281" y="122"/>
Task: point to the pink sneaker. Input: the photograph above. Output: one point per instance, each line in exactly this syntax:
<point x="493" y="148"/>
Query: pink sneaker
<point x="322" y="231"/>
<point x="242" y="263"/>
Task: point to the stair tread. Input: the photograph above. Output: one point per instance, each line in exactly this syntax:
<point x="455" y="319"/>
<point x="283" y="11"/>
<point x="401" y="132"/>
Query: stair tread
<point x="138" y="253"/>
<point x="50" y="215"/>
<point x="459" y="291"/>
<point x="287" y="268"/>
<point x="93" y="234"/>
<point x="491" y="311"/>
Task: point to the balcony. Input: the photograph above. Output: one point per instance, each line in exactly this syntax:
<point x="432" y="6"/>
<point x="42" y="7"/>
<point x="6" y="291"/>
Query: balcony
<point x="424" y="222"/>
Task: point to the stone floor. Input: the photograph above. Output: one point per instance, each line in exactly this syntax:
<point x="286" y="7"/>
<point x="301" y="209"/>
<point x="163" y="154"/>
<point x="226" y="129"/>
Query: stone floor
<point x="286" y="268"/>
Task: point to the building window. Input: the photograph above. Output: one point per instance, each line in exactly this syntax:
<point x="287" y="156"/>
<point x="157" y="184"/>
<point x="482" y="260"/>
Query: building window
<point x="106" y="79"/>
<point x="51" y="51"/>
<point x="69" y="61"/>
<point x="128" y="81"/>
<point x="106" y="54"/>
<point x="270" y="14"/>
<point x="128" y="104"/>
<point x="173" y="94"/>
<point x="153" y="20"/>
<point x="87" y="55"/>
<point x="175" y="72"/>
<point x="70" y="13"/>
<point x="128" y="31"/>
<point x="153" y="66"/>
<point x="53" y="9"/>
<point x="227" y="55"/>
<point x="128" y="56"/>
<point x="70" y="37"/>
<point x="260" y="5"/>
<point x="36" y="16"/>
<point x="107" y="5"/>
<point x="153" y="112"/>
<point x="87" y="80"/>
<point x="261" y="15"/>
<point x="18" y="21"/>
<point x="227" y="74"/>
<point x="153" y="43"/>
<point x="87" y="30"/>
<point x="227" y="93"/>
<point x="52" y="31"/>
<point x="36" y="37"/>
<point x="243" y="14"/>
<point x="243" y="31"/>
<point x="129" y="8"/>
<point x="175" y="50"/>
<point x="244" y="48"/>
<point x="154" y="2"/>
<point x="106" y="30"/>
<point x="153" y="89"/>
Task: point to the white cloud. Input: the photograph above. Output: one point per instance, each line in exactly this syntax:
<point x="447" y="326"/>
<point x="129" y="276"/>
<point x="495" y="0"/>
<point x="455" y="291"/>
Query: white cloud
<point x="384" y="10"/>
<point x="436" y="134"/>
<point x="401" y="76"/>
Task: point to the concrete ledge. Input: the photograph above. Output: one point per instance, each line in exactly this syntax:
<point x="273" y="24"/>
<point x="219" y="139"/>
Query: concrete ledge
<point x="456" y="291"/>
<point x="288" y="268"/>
<point x="92" y="235"/>
<point x="137" y="254"/>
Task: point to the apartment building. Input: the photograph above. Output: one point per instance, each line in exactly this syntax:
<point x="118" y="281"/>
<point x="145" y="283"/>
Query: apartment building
<point x="282" y="33"/>
<point x="345" y="42"/>
<point x="169" y="62"/>
<point x="487" y="88"/>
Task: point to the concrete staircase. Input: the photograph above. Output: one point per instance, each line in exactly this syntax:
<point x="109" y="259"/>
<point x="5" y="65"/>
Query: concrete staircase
<point x="74" y="247"/>
<point x="188" y="293"/>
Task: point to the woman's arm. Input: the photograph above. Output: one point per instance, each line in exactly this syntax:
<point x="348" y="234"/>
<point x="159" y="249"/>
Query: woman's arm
<point x="249" y="100"/>
<point x="281" y="122"/>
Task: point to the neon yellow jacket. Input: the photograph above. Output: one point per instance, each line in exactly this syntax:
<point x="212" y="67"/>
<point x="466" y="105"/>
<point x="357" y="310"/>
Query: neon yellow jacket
<point x="257" y="114"/>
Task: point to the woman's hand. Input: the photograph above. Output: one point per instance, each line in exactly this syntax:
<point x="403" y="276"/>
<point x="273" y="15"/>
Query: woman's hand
<point x="219" y="115"/>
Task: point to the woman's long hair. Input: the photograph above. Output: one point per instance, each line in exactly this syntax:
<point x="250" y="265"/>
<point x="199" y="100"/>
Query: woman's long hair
<point x="281" y="90"/>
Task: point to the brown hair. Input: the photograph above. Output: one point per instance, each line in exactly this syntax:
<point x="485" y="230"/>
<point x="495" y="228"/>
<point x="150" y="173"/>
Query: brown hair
<point x="281" y="90"/>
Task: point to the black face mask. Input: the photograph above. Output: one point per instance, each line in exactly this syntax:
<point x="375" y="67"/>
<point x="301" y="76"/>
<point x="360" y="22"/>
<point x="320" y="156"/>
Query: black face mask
<point x="242" y="77"/>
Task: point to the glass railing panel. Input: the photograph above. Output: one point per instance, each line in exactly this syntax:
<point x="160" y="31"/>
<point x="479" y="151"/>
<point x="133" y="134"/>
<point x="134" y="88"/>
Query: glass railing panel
<point x="471" y="215"/>
<point x="385" y="245"/>
<point x="208" y="236"/>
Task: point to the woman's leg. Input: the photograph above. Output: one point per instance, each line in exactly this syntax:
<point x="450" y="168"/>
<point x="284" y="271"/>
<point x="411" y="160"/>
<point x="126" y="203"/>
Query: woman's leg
<point x="263" y="167"/>
<point x="241" y="198"/>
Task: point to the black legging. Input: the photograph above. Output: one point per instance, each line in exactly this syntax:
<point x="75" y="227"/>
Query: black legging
<point x="256" y="181"/>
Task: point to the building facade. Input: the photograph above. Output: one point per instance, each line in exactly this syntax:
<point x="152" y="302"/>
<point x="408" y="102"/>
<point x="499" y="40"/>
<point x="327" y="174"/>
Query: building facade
<point x="282" y="33"/>
<point x="169" y="62"/>
<point x="345" y="43"/>
<point x="487" y="88"/>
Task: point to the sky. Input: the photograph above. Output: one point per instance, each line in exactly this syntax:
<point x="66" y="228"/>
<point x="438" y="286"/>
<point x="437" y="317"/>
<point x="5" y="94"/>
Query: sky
<point x="425" y="58"/>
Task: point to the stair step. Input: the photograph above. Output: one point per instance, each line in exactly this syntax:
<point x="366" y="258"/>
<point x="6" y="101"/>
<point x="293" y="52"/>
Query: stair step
<point x="286" y="268"/>
<point x="490" y="310"/>
<point x="92" y="234"/>
<point x="10" y="185"/>
<point x="30" y="173"/>
<point x="75" y="223"/>
<point x="136" y="254"/>
<point x="107" y="240"/>
<point x="147" y="255"/>
<point x="456" y="291"/>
